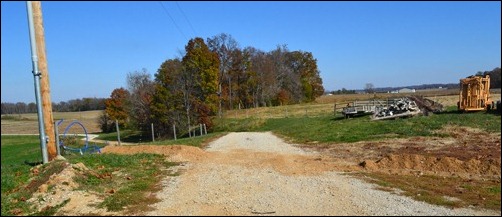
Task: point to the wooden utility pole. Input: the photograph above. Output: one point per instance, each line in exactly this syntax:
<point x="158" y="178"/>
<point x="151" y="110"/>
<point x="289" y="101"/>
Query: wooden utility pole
<point x="44" y="80"/>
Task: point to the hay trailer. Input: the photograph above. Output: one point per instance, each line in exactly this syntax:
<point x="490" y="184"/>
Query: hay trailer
<point x="359" y="108"/>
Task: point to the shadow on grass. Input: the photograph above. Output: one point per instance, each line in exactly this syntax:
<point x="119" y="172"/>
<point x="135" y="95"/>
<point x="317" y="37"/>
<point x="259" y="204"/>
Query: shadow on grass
<point x="32" y="163"/>
<point x="136" y="138"/>
<point x="337" y="118"/>
<point x="492" y="111"/>
<point x="496" y="112"/>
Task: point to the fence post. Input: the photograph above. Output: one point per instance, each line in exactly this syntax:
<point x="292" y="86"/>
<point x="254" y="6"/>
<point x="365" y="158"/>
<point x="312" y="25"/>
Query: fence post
<point x="57" y="139"/>
<point x="334" y="109"/>
<point x="153" y="137"/>
<point x="174" y="131"/>
<point x="118" y="130"/>
<point x="200" y="127"/>
<point x="205" y="129"/>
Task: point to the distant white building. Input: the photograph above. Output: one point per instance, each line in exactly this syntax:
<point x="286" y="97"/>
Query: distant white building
<point x="406" y="90"/>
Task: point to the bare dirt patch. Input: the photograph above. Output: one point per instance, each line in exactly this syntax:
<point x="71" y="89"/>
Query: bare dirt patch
<point x="469" y="153"/>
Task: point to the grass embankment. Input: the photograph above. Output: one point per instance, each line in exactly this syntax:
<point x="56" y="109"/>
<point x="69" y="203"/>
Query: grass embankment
<point x="125" y="174"/>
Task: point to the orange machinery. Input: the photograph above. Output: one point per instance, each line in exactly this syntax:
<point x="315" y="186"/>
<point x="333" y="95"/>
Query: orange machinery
<point x="475" y="94"/>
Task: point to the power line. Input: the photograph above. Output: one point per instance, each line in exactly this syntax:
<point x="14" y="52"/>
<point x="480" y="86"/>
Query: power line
<point x="186" y="18"/>
<point x="167" y="12"/>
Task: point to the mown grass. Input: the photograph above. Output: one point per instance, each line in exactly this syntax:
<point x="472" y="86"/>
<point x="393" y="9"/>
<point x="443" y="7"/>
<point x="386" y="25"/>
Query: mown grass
<point x="134" y="137"/>
<point x="451" y="192"/>
<point x="123" y="180"/>
<point x="18" y="152"/>
<point x="238" y="125"/>
<point x="329" y="128"/>
<point x="57" y="116"/>
<point x="14" y="117"/>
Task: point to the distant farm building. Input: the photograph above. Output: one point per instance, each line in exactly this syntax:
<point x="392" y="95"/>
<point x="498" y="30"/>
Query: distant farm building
<point x="406" y="90"/>
<point x="433" y="89"/>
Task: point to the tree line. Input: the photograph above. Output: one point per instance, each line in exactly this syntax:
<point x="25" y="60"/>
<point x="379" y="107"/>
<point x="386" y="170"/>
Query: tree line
<point x="74" y="105"/>
<point x="495" y="82"/>
<point x="494" y="77"/>
<point x="209" y="77"/>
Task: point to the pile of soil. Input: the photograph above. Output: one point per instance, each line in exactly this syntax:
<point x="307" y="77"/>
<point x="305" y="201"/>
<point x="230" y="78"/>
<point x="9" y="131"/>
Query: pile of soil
<point x="467" y="152"/>
<point x="61" y="187"/>
<point x="420" y="164"/>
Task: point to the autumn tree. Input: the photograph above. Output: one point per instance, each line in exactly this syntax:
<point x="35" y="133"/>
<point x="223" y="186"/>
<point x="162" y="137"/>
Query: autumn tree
<point x="116" y="105"/>
<point x="245" y="78"/>
<point x="116" y="109"/>
<point x="251" y="86"/>
<point x="224" y="46"/>
<point x="285" y="83"/>
<point x="263" y="67"/>
<point x="199" y="79"/>
<point x="141" y="89"/>
<point x="167" y="103"/>
<point x="304" y="65"/>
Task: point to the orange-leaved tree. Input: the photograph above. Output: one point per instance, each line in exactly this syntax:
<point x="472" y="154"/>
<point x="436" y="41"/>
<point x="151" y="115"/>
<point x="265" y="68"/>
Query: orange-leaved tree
<point x="116" y="106"/>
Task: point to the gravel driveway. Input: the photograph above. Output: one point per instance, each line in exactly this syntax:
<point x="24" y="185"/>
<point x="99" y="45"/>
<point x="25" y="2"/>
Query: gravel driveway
<point x="259" y="174"/>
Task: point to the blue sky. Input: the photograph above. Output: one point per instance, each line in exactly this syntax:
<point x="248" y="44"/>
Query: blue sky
<point x="91" y="46"/>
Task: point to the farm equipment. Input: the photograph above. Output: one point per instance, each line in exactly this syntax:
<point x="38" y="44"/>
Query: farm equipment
<point x="403" y="107"/>
<point x="359" y="108"/>
<point x="475" y="94"/>
<point x="427" y="105"/>
<point x="392" y="108"/>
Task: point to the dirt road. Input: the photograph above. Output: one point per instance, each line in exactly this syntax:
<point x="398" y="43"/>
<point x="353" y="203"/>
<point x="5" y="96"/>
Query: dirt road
<point x="259" y="174"/>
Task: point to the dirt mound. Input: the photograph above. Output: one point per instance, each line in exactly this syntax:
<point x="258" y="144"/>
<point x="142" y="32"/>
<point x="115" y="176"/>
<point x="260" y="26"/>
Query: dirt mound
<point x="177" y="153"/>
<point x="61" y="188"/>
<point x="421" y="164"/>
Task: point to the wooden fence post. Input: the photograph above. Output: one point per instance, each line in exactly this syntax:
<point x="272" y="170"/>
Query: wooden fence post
<point x="118" y="130"/>
<point x="153" y="137"/>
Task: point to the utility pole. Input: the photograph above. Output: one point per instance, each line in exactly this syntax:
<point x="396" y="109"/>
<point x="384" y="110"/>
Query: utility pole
<point x="44" y="80"/>
<point x="36" y="75"/>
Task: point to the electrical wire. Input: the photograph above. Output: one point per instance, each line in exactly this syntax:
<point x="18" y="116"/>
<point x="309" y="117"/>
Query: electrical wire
<point x="186" y="18"/>
<point x="167" y="12"/>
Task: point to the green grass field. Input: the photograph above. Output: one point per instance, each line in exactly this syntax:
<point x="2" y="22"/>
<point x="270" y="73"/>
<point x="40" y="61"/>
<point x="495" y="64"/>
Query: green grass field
<point x="329" y="128"/>
<point x="19" y="153"/>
